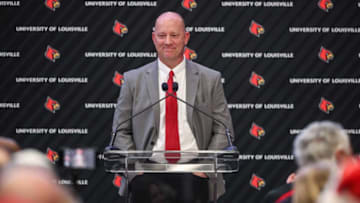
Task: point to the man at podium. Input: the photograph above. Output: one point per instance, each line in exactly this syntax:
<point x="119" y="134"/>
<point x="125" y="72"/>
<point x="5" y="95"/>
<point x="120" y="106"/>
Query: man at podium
<point x="171" y="124"/>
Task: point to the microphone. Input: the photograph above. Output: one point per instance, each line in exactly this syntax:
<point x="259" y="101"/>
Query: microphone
<point x="164" y="87"/>
<point x="175" y="87"/>
<point x="230" y="146"/>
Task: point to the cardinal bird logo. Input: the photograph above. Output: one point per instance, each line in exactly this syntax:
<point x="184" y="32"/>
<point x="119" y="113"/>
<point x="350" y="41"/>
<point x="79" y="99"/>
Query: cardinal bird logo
<point x="118" y="79"/>
<point x="52" y="105"/>
<point x="52" y="155"/>
<point x="257" y="182"/>
<point x="256" y="80"/>
<point x="189" y="4"/>
<point x="52" y="54"/>
<point x="257" y="131"/>
<point x="256" y="29"/>
<point x="326" y="5"/>
<point x="117" y="180"/>
<point x="120" y="28"/>
<point x="190" y="54"/>
<point x="326" y="106"/>
<point x="326" y="55"/>
<point x="52" y="4"/>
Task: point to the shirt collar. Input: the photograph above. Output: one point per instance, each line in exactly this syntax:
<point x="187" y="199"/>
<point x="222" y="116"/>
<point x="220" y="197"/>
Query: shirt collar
<point x="177" y="69"/>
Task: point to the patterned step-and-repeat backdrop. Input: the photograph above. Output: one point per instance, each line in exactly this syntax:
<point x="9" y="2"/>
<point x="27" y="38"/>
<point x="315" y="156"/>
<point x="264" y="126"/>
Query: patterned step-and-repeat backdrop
<point x="284" y="64"/>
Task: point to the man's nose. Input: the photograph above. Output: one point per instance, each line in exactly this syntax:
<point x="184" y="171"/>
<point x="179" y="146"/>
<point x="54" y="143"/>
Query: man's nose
<point x="168" y="39"/>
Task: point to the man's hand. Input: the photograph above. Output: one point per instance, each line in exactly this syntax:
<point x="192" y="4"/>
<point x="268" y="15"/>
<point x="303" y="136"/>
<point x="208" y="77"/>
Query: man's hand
<point x="200" y="174"/>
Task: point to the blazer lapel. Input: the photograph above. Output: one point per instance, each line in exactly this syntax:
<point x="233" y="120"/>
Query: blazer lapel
<point x="152" y="83"/>
<point x="192" y="80"/>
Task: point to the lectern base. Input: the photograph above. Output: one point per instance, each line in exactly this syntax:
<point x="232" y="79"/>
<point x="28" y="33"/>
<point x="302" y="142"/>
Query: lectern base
<point x="172" y="188"/>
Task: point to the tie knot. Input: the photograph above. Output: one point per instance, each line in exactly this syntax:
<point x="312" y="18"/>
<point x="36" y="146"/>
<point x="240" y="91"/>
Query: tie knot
<point x="171" y="74"/>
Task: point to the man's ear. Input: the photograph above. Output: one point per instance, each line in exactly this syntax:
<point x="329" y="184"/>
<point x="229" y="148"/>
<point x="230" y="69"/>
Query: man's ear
<point x="187" y="37"/>
<point x="153" y="37"/>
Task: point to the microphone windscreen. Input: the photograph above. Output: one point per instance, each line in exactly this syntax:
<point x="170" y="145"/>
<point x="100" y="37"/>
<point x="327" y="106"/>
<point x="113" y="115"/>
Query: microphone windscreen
<point x="164" y="86"/>
<point x="175" y="86"/>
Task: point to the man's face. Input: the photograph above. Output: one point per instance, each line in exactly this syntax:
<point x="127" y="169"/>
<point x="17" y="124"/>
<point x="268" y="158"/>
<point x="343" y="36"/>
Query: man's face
<point x="170" y="39"/>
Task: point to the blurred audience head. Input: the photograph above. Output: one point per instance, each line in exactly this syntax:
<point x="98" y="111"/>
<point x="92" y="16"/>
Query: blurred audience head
<point x="310" y="181"/>
<point x="323" y="140"/>
<point x="345" y="186"/>
<point x="30" y="178"/>
<point x="7" y="147"/>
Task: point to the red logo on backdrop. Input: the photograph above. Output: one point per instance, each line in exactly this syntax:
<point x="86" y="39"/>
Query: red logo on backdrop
<point x="119" y="28"/>
<point x="117" y="180"/>
<point x="52" y="155"/>
<point x="325" y="105"/>
<point x="326" y="55"/>
<point x="52" y="54"/>
<point x="326" y="5"/>
<point x="52" y="105"/>
<point x="118" y="79"/>
<point x="257" y="131"/>
<point x="190" y="54"/>
<point x="189" y="4"/>
<point x="256" y="80"/>
<point x="52" y="4"/>
<point x="256" y="29"/>
<point x="257" y="182"/>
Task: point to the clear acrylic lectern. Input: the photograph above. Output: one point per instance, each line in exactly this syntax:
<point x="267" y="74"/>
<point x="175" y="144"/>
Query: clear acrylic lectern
<point x="213" y="162"/>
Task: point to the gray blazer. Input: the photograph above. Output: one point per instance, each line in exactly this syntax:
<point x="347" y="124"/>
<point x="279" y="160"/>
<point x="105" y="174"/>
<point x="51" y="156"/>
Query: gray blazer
<point x="203" y="90"/>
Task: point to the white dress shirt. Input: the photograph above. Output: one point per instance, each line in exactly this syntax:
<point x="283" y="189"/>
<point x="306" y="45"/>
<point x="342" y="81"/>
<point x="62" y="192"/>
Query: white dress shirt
<point x="187" y="139"/>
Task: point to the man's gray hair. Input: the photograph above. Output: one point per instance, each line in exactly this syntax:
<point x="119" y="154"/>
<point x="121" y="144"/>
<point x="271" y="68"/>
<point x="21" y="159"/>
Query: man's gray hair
<point x="319" y="141"/>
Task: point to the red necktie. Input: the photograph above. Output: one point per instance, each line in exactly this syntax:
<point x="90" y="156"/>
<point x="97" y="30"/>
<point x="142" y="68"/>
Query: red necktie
<point x="172" y="141"/>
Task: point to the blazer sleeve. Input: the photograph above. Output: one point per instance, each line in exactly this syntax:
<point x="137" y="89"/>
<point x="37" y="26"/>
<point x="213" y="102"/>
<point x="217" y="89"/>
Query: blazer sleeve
<point x="221" y="112"/>
<point x="123" y="112"/>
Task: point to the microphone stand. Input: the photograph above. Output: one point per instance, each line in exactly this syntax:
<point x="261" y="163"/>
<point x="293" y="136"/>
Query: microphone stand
<point x="165" y="87"/>
<point x="112" y="147"/>
<point x="230" y="146"/>
<point x="135" y="115"/>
